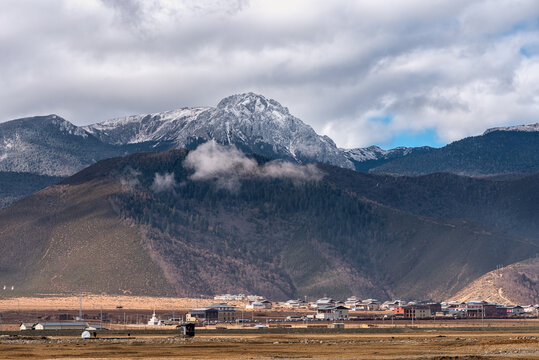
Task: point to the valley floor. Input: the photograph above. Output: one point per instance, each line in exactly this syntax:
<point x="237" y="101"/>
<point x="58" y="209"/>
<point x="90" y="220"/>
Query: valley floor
<point x="417" y="344"/>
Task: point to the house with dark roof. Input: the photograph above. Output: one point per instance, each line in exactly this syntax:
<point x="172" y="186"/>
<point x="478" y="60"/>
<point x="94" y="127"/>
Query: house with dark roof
<point x="332" y="313"/>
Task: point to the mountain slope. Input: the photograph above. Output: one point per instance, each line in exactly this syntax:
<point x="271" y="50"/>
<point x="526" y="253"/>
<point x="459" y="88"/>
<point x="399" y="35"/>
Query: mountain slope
<point x="52" y="146"/>
<point x="251" y="122"/>
<point x="15" y="185"/>
<point x="38" y="151"/>
<point x="510" y="205"/>
<point x="168" y="223"/>
<point x="371" y="157"/>
<point x="514" y="284"/>
<point x="497" y="151"/>
<point x="68" y="239"/>
<point x="48" y="145"/>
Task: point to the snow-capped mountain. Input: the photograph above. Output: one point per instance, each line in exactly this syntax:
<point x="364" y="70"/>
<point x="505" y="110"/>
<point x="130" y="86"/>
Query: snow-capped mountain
<point x="376" y="153"/>
<point x="524" y="128"/>
<point x="249" y="121"/>
<point x="48" y="145"/>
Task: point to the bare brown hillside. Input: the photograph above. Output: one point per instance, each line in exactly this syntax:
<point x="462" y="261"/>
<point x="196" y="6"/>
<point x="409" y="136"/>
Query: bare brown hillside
<point x="514" y="284"/>
<point x="144" y="225"/>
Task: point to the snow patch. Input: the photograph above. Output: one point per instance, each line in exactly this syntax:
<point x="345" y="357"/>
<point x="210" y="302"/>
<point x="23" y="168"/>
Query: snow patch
<point x="523" y="128"/>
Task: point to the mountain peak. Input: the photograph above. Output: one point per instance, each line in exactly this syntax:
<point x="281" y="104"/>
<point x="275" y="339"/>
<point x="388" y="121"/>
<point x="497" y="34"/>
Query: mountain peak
<point x="524" y="128"/>
<point x="41" y="122"/>
<point x="250" y="102"/>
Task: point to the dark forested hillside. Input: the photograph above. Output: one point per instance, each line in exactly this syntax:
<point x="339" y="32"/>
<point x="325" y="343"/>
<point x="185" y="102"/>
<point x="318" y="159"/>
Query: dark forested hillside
<point x="15" y="185"/>
<point x="497" y="152"/>
<point x="510" y="205"/>
<point x="168" y="223"/>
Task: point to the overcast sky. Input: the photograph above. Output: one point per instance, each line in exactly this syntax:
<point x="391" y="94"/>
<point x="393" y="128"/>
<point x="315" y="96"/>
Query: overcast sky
<point x="363" y="72"/>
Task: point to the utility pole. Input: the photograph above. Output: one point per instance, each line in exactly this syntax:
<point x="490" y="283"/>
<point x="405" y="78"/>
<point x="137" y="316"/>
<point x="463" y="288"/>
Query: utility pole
<point x="482" y="315"/>
<point x="80" y="306"/>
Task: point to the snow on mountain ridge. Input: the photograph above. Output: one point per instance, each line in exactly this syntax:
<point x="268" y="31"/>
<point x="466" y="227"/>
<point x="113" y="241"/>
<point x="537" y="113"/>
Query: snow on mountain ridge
<point x="525" y="128"/>
<point x="250" y="121"/>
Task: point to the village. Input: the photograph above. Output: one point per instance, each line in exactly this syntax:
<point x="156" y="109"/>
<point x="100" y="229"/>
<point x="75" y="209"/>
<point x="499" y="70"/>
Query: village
<point x="251" y="311"/>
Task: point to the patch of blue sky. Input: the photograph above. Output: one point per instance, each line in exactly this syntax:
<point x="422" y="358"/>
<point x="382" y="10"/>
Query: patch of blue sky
<point x="523" y="26"/>
<point x="427" y="137"/>
<point x="382" y="119"/>
<point x="530" y="50"/>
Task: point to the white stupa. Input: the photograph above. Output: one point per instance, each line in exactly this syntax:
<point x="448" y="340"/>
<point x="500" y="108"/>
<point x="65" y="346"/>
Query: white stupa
<point x="154" y="320"/>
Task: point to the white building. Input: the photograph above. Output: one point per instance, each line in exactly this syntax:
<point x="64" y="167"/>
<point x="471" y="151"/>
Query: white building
<point x="352" y="301"/>
<point x="325" y="301"/>
<point x="391" y="305"/>
<point x="153" y="320"/>
<point x="61" y="326"/>
<point x="27" y="326"/>
<point x="229" y="297"/>
<point x="295" y="304"/>
<point x="369" y="304"/>
<point x="261" y="305"/>
<point x="332" y="313"/>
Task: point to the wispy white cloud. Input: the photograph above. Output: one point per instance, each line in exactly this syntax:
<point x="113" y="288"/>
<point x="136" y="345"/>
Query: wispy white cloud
<point x="227" y="166"/>
<point x="163" y="182"/>
<point x="452" y="66"/>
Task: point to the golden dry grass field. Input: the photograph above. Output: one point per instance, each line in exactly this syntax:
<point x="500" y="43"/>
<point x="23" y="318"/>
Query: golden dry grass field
<point x="96" y="302"/>
<point x="414" y="345"/>
<point x="365" y="339"/>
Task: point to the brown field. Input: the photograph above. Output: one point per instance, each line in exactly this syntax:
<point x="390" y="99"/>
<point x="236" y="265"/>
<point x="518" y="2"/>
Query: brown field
<point x="412" y="345"/>
<point x="96" y="302"/>
<point x="369" y="338"/>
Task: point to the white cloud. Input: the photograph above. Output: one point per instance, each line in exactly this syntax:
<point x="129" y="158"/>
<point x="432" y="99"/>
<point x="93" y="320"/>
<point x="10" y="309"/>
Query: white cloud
<point x="163" y="182"/>
<point x="454" y="66"/>
<point x="226" y="165"/>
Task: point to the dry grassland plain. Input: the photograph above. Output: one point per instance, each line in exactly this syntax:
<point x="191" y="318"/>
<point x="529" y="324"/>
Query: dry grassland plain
<point x="504" y="339"/>
<point x="96" y="302"/>
<point x="413" y="345"/>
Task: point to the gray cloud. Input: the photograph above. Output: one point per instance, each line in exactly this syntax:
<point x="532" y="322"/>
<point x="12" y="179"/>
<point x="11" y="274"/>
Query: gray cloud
<point x="163" y="182"/>
<point x="226" y="165"/>
<point x="453" y="66"/>
<point x="130" y="177"/>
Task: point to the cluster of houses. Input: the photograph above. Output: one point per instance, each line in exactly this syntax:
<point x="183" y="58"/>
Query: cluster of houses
<point x="327" y="309"/>
<point x="483" y="309"/>
<point x="330" y="309"/>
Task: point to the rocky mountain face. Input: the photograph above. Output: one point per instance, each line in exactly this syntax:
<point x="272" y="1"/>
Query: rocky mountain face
<point x="48" y="145"/>
<point x="39" y="151"/>
<point x="251" y="122"/>
<point x="214" y="220"/>
<point x="53" y="147"/>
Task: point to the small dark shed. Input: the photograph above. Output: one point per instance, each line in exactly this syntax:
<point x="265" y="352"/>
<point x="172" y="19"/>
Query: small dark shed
<point x="187" y="329"/>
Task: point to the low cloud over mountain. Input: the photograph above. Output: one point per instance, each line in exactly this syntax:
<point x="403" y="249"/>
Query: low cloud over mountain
<point x="227" y="166"/>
